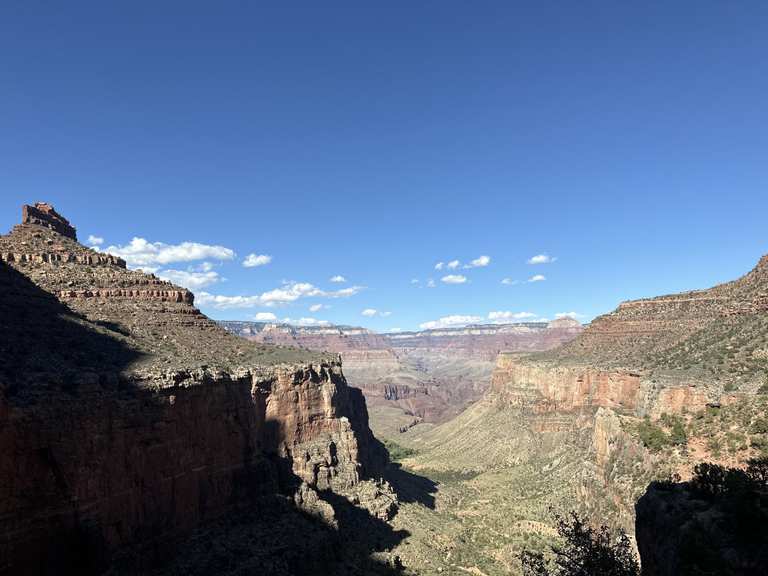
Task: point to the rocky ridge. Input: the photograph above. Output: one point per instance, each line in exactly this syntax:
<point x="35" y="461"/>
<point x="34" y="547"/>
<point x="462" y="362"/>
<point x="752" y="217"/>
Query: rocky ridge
<point x="642" y="393"/>
<point x="429" y="375"/>
<point x="129" y="419"/>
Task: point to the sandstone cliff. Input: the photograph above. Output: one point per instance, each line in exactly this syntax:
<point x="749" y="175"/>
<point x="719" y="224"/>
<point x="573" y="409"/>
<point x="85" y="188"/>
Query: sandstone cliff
<point x="129" y="419"/>
<point x="429" y="376"/>
<point x="643" y="393"/>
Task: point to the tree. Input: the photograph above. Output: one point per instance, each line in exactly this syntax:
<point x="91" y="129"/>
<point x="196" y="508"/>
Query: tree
<point x="678" y="435"/>
<point x="585" y="552"/>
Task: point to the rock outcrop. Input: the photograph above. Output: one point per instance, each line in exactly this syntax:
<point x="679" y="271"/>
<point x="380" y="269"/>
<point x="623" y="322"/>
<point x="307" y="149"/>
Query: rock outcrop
<point x="430" y="375"/>
<point x="128" y="419"/>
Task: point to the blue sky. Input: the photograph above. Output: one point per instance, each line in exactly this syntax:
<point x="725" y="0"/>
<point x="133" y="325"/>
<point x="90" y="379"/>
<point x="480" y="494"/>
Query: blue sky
<point x="374" y="140"/>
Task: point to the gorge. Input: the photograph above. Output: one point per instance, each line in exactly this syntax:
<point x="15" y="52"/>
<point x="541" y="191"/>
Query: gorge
<point x="142" y="437"/>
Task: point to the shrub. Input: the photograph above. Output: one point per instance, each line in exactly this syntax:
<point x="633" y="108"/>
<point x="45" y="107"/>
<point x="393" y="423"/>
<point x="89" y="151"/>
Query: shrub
<point x="678" y="437"/>
<point x="585" y="551"/>
<point x="652" y="436"/>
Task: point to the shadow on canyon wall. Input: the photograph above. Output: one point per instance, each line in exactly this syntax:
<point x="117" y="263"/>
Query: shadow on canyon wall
<point x="411" y="487"/>
<point x="90" y="482"/>
<point x="716" y="524"/>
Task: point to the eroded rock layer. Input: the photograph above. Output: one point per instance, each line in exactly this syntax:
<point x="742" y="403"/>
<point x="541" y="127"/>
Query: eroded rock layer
<point x="129" y="419"/>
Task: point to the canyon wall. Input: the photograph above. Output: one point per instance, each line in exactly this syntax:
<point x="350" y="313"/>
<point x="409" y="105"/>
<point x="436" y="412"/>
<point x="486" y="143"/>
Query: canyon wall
<point x="128" y="419"/>
<point x="430" y="375"/>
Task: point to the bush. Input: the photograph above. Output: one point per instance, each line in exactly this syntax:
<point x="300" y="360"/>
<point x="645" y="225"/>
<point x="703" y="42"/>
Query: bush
<point x="652" y="436"/>
<point x="678" y="437"/>
<point x="586" y="551"/>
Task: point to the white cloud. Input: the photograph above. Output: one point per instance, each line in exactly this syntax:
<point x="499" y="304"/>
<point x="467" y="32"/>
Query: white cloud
<point x="317" y="307"/>
<point x="371" y="312"/>
<point x="537" y="278"/>
<point x="480" y="262"/>
<point x="510" y="282"/>
<point x="453" y="264"/>
<point x="306" y="322"/>
<point x="290" y="292"/>
<point x="189" y="278"/>
<point x="415" y="281"/>
<point x="253" y="260"/>
<point x="395" y="329"/>
<point x="140" y="253"/>
<point x="431" y="283"/>
<point x="338" y="279"/>
<point x="95" y="240"/>
<point x="573" y="315"/>
<point x="541" y="259"/>
<point x="454" y="279"/>
<point x="506" y="315"/>
<point x="452" y="321"/>
<point x="265" y="317"/>
<point x="439" y="265"/>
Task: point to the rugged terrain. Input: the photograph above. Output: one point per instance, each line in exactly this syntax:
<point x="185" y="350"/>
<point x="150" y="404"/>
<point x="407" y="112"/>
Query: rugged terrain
<point x="642" y="394"/>
<point x="411" y="377"/>
<point x="132" y="425"/>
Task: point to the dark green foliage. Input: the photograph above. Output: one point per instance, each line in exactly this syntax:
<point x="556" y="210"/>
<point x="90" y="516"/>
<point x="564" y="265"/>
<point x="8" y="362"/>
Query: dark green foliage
<point x="764" y="388"/>
<point x="759" y="426"/>
<point x="677" y="436"/>
<point x="736" y="543"/>
<point x="585" y="552"/>
<point x="652" y="436"/>
<point x="397" y="452"/>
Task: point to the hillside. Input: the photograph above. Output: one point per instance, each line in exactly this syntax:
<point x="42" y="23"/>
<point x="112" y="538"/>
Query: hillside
<point x="589" y="425"/>
<point x="411" y="377"/>
<point x="130" y="422"/>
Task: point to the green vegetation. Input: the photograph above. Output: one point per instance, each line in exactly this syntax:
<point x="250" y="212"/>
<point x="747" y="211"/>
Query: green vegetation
<point x="585" y="551"/>
<point x="764" y="388"/>
<point x="656" y="438"/>
<point x="397" y="452"/>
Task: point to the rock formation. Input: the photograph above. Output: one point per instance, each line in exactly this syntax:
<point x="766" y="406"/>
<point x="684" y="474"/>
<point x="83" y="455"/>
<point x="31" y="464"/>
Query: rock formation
<point x="644" y="392"/>
<point x="128" y="419"/>
<point x="430" y="375"/>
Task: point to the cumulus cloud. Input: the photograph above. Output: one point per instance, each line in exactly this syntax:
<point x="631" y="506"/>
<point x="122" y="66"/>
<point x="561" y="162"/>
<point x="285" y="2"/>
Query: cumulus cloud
<point x="453" y="264"/>
<point x="371" y="312"/>
<point x="141" y="253"/>
<point x="455" y="320"/>
<point x="574" y="315"/>
<point x="289" y="292"/>
<point x="338" y="279"/>
<point x="439" y="265"/>
<point x="454" y="279"/>
<point x="431" y="283"/>
<point x="265" y="317"/>
<point x="505" y="315"/>
<point x="510" y="282"/>
<point x="253" y="260"/>
<point x="191" y="279"/>
<point x="537" y="278"/>
<point x="95" y="240"/>
<point x="306" y="322"/>
<point x="317" y="307"/>
<point x="541" y="259"/>
<point x="480" y="262"/>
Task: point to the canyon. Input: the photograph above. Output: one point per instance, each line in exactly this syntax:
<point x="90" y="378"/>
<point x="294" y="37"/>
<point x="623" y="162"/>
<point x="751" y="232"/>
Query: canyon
<point x="130" y="422"/>
<point x="412" y="377"/>
<point x="142" y="437"/>
<point x="640" y="396"/>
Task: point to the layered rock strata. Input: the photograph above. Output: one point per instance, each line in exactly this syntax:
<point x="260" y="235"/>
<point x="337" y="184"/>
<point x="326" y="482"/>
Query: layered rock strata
<point x="129" y="419"/>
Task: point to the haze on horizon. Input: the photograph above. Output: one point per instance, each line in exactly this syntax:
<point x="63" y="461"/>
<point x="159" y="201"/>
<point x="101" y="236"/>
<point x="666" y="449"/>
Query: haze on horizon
<point x="397" y="166"/>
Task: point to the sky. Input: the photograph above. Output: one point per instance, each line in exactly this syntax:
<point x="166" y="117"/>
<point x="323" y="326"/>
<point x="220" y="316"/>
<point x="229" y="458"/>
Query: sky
<point x="398" y="164"/>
